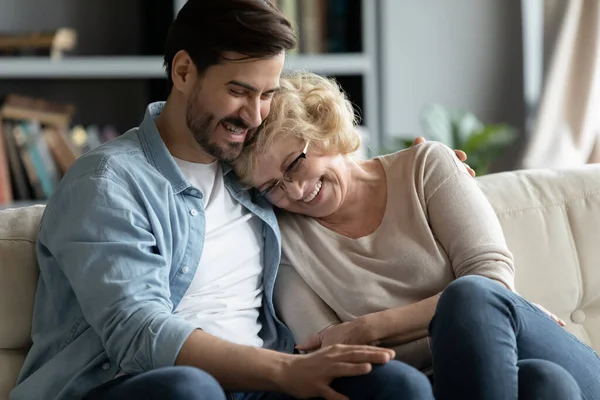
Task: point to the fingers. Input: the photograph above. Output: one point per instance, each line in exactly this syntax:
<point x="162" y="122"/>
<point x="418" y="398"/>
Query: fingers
<point x="554" y="317"/>
<point x="462" y="156"/>
<point x="558" y="320"/>
<point x="349" y="369"/>
<point x="329" y="394"/>
<point x="471" y="171"/>
<point x="419" y="140"/>
<point x="311" y="343"/>
<point x="363" y="354"/>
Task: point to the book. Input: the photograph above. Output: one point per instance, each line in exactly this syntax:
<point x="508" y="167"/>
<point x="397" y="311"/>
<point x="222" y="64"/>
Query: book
<point x="52" y="43"/>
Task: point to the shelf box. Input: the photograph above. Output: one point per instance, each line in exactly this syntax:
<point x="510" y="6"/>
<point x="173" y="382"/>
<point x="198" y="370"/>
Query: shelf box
<point x="150" y="67"/>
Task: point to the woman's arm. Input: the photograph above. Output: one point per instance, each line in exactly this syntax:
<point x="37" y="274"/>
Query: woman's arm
<point x="465" y="224"/>
<point x="463" y="220"/>
<point x="299" y="307"/>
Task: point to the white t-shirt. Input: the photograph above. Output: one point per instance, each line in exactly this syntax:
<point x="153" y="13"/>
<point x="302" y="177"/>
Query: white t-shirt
<point x="225" y="295"/>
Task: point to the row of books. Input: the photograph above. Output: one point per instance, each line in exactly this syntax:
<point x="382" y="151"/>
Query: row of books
<point x="38" y="145"/>
<point x="325" y="26"/>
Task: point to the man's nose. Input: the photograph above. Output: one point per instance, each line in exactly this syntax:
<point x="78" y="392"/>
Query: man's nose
<point x="251" y="113"/>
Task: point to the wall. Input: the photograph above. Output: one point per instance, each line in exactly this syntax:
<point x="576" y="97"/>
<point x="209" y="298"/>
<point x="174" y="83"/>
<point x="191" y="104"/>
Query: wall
<point x="464" y="54"/>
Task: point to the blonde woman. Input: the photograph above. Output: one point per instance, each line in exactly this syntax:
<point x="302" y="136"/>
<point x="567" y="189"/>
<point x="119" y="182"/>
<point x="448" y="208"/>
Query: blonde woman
<point x="403" y="251"/>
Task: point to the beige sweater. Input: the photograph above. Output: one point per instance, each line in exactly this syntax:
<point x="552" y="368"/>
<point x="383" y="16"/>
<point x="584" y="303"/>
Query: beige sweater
<point x="437" y="226"/>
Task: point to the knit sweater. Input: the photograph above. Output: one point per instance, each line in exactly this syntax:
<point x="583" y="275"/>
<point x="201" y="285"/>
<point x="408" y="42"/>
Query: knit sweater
<point x="437" y="226"/>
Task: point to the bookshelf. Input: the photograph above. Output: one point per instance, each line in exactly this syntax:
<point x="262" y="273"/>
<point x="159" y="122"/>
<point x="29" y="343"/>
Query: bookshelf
<point x="89" y="77"/>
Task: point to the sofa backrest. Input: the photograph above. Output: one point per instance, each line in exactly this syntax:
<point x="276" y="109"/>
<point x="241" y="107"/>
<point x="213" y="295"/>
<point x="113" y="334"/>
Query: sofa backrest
<point x="551" y="221"/>
<point x="18" y="282"/>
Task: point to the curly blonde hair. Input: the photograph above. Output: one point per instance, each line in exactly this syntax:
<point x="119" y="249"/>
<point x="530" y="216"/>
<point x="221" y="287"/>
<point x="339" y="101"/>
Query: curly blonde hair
<point x="310" y="107"/>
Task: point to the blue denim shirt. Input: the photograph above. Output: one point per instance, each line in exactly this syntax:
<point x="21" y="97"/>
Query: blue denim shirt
<point x="118" y="246"/>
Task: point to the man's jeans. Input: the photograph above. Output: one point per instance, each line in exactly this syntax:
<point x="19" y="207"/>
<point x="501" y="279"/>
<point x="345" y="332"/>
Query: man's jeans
<point x="393" y="380"/>
<point x="490" y="344"/>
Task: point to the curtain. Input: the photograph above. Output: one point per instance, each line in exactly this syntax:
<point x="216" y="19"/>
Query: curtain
<point x="565" y="130"/>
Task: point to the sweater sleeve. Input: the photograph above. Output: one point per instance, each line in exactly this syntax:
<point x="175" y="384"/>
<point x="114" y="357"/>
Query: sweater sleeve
<point x="299" y="307"/>
<point x="463" y="220"/>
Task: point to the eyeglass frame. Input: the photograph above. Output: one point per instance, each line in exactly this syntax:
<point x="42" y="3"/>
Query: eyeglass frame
<point x="286" y="172"/>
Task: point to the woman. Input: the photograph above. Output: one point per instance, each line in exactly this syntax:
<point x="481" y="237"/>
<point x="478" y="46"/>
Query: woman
<point x="404" y="251"/>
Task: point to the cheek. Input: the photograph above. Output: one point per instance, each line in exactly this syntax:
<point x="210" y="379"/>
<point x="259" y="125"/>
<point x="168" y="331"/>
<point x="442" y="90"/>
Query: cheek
<point x="265" y="109"/>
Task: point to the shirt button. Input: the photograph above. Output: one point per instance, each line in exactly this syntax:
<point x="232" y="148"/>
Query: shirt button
<point x="185" y="270"/>
<point x="193" y="212"/>
<point x="106" y="366"/>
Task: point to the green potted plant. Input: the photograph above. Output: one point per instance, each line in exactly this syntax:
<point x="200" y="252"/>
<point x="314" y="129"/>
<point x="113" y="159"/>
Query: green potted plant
<point x="463" y="130"/>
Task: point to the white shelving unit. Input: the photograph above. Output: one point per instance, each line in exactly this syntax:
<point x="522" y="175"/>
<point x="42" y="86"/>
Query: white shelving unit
<point x="119" y="67"/>
<point x="150" y="67"/>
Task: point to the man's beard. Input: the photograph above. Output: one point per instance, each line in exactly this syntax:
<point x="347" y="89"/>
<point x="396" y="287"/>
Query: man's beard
<point x="203" y="126"/>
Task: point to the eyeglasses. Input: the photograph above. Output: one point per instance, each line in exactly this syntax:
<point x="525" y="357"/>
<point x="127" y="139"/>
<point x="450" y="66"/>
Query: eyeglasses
<point x="276" y="191"/>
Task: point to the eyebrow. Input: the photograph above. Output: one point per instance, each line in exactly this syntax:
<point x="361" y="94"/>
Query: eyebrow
<point x="250" y="87"/>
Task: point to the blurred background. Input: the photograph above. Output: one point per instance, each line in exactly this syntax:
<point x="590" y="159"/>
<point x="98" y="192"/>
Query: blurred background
<point x="514" y="83"/>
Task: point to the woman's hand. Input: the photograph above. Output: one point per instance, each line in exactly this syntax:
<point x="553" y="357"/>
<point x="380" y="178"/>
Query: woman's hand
<point x="554" y="317"/>
<point x="461" y="155"/>
<point x="355" y="332"/>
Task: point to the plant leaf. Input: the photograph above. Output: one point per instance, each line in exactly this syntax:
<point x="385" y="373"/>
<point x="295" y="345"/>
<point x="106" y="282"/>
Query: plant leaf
<point x="437" y="124"/>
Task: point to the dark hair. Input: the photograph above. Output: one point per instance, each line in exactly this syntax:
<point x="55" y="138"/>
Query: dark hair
<point x="207" y="28"/>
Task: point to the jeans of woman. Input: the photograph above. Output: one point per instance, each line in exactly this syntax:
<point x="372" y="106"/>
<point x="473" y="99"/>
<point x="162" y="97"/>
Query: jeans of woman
<point x="489" y="343"/>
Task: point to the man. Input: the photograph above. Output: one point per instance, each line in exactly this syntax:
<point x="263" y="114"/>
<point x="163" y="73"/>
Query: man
<point x="157" y="269"/>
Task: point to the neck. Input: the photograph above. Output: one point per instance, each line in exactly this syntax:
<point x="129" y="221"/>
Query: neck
<point x="171" y="124"/>
<point x="364" y="179"/>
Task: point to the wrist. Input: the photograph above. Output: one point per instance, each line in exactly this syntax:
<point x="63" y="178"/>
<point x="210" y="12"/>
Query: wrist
<point x="372" y="327"/>
<point x="282" y="371"/>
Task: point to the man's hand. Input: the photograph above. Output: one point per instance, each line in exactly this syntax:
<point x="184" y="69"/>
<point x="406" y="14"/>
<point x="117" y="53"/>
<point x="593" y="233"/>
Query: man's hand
<point x="309" y="375"/>
<point x="462" y="156"/>
<point x="353" y="332"/>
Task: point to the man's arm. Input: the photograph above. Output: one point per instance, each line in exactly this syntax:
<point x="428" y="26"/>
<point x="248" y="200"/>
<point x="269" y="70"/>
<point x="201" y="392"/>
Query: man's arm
<point x="245" y="368"/>
<point x="98" y="232"/>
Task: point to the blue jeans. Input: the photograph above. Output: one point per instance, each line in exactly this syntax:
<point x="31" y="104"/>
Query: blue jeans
<point x="489" y="343"/>
<point x="174" y="383"/>
<point x="393" y="380"/>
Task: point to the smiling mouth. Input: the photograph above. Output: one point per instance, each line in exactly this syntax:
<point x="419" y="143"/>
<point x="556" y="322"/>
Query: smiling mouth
<point x="236" y="130"/>
<point x="314" y="192"/>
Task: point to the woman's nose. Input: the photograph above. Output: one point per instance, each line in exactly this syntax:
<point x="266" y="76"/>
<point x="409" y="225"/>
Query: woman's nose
<point x="294" y="189"/>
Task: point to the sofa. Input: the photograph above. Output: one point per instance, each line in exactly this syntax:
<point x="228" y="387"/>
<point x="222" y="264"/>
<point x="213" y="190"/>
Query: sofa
<point x="551" y="219"/>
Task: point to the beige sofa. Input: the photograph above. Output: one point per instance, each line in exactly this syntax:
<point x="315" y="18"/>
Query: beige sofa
<point x="551" y="220"/>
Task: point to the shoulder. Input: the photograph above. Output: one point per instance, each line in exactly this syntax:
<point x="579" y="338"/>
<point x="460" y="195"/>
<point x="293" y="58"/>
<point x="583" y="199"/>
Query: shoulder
<point x="117" y="158"/>
<point x="427" y="154"/>
<point x="122" y="161"/>
<point x="427" y="165"/>
<point x="116" y="174"/>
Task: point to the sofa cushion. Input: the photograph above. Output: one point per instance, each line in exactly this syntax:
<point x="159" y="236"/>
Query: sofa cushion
<point x="19" y="272"/>
<point x="550" y="220"/>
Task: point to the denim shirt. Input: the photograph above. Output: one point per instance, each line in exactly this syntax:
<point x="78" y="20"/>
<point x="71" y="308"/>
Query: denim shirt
<point x="118" y="246"/>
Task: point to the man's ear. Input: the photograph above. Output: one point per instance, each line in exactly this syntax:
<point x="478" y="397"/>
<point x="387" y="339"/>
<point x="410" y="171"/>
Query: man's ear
<point x="183" y="72"/>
